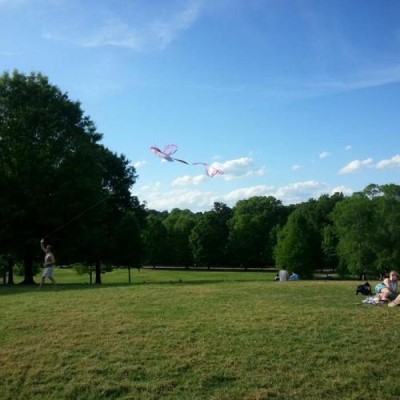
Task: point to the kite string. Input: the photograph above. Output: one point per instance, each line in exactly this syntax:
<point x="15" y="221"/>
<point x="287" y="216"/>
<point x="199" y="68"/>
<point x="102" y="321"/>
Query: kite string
<point x="76" y="217"/>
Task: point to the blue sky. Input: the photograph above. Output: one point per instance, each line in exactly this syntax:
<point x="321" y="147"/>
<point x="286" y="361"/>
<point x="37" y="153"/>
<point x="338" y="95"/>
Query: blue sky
<point x="289" y="98"/>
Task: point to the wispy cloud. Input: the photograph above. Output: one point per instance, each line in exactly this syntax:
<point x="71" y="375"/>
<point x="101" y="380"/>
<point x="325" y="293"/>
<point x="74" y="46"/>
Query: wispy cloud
<point x="363" y="80"/>
<point x="342" y="189"/>
<point x="357" y="80"/>
<point x="188" y="180"/>
<point x="181" y="198"/>
<point x="232" y="170"/>
<point x="324" y="154"/>
<point x="289" y="194"/>
<point x="164" y="32"/>
<point x="115" y="33"/>
<point x="155" y="35"/>
<point x="355" y="165"/>
<point x="348" y="147"/>
<point x="239" y="168"/>
<point x="296" y="167"/>
<point x="152" y="187"/>
<point x="13" y="2"/>
<point x="197" y="200"/>
<point x="7" y="53"/>
<point x="390" y="163"/>
<point x="300" y="191"/>
<point x="139" y="164"/>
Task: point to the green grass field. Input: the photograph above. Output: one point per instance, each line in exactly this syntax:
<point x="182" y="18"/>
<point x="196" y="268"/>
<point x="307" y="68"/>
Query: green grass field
<point x="195" y="335"/>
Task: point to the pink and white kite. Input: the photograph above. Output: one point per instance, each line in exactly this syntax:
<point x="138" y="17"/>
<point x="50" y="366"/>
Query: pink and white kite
<point x="210" y="170"/>
<point x="167" y="152"/>
<point x="170" y="149"/>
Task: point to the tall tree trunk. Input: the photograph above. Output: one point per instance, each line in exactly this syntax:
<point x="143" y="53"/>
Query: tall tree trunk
<point x="10" y="264"/>
<point x="98" y="273"/>
<point x="28" y="270"/>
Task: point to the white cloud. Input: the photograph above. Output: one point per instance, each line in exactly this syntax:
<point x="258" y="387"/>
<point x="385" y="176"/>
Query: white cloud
<point x="151" y="187"/>
<point x="189" y="180"/>
<point x="300" y="191"/>
<point x="239" y="168"/>
<point x="288" y="194"/>
<point x="355" y="165"/>
<point x="324" y="154"/>
<point x="13" y="2"/>
<point x="197" y="200"/>
<point x="361" y="80"/>
<point x="232" y="170"/>
<point x="115" y="33"/>
<point x="391" y="163"/>
<point x="296" y="167"/>
<point x="244" y="193"/>
<point x="348" y="147"/>
<point x="182" y="198"/>
<point x="165" y="32"/>
<point x="154" y="35"/>
<point x="357" y="80"/>
<point x="342" y="189"/>
<point x="139" y="164"/>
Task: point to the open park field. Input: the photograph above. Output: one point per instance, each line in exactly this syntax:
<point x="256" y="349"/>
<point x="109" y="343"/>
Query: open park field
<point x="196" y="335"/>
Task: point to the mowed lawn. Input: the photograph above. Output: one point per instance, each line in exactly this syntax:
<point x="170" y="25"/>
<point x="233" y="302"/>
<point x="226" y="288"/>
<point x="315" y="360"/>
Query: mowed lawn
<point x="196" y="335"/>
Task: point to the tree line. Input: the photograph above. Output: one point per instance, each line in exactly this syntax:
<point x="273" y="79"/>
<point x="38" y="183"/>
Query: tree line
<point x="58" y="181"/>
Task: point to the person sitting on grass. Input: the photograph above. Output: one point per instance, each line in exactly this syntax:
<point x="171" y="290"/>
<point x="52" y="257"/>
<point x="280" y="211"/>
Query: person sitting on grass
<point x="294" y="277"/>
<point x="387" y="290"/>
<point x="283" y="275"/>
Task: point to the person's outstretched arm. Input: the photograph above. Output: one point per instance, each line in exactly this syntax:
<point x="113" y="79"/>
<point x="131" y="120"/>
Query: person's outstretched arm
<point x="42" y="245"/>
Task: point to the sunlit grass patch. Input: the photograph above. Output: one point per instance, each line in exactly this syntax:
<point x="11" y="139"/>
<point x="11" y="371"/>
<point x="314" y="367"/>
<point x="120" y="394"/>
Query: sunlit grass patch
<point x="228" y="338"/>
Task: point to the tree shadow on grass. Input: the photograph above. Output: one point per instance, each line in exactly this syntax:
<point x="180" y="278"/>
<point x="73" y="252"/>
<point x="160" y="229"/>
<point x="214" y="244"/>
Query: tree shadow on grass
<point x="21" y="289"/>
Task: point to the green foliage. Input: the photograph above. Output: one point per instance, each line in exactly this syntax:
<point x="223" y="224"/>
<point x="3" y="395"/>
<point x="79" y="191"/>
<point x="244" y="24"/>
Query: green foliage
<point x="81" y="269"/>
<point x="387" y="227"/>
<point x="367" y="228"/>
<point x="128" y="241"/>
<point x="47" y="161"/>
<point x="55" y="178"/>
<point x="250" y="230"/>
<point x="179" y="224"/>
<point x="208" y="239"/>
<point x="155" y="243"/>
<point x="298" y="244"/>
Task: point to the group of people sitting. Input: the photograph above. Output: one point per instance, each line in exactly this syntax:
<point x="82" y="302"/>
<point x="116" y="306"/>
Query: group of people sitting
<point x="386" y="291"/>
<point x="283" y="276"/>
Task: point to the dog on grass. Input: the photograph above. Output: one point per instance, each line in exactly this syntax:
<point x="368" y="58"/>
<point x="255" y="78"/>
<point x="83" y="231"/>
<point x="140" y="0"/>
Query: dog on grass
<point x="364" y="289"/>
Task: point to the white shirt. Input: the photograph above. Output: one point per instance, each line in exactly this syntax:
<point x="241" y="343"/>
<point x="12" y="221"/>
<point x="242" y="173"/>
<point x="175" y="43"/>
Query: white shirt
<point x="283" y="275"/>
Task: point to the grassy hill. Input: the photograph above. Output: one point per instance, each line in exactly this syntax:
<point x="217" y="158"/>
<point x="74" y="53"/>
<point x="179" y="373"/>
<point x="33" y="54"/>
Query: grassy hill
<point x="195" y="335"/>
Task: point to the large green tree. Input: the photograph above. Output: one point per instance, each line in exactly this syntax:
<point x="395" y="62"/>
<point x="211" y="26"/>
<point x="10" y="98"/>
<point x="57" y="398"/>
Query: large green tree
<point x="154" y="238"/>
<point x="250" y="230"/>
<point x="298" y="247"/>
<point x="209" y="237"/>
<point x="56" y="180"/>
<point x="354" y="223"/>
<point x="101" y="242"/>
<point x="47" y="162"/>
<point x="386" y="243"/>
<point x="179" y="224"/>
